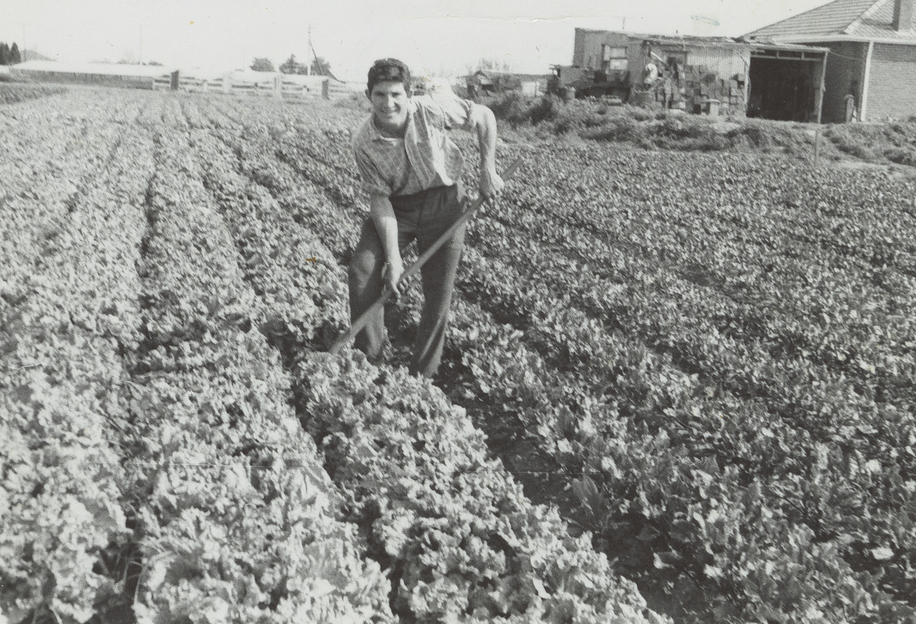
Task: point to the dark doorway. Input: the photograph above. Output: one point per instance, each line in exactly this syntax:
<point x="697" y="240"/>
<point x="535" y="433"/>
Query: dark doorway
<point x="782" y="89"/>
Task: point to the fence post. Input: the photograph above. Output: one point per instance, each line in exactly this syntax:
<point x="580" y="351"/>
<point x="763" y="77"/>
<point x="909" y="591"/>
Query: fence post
<point x="817" y="145"/>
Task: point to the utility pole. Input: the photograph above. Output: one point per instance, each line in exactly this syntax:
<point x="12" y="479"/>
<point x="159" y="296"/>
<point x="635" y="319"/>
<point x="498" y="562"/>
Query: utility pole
<point x="140" y="51"/>
<point x="308" y="66"/>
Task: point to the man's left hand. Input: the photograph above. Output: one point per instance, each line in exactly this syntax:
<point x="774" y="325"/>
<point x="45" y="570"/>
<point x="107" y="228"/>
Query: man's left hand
<point x="491" y="184"/>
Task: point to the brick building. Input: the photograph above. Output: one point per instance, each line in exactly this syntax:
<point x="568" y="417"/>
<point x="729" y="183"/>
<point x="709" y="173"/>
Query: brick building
<point x="872" y="56"/>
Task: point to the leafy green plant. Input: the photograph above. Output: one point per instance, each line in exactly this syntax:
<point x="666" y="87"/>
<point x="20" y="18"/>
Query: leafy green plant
<point x="458" y="537"/>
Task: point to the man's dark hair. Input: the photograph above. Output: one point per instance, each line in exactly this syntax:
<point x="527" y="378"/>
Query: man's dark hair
<point x="389" y="70"/>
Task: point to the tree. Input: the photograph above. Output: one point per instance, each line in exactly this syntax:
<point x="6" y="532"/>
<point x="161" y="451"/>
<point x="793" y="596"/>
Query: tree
<point x="14" y="54"/>
<point x="262" y="65"/>
<point x="291" y="66"/>
<point x="488" y="64"/>
<point x="321" y="67"/>
<point x="4" y="53"/>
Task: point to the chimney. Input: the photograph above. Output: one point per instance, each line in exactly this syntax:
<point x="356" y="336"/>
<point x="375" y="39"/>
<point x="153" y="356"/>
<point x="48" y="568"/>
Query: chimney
<point x="903" y="15"/>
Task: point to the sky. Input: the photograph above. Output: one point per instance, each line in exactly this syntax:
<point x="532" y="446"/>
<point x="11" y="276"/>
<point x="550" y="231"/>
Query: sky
<point x="434" y="37"/>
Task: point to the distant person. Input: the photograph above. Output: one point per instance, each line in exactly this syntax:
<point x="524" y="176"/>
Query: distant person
<point x="668" y="88"/>
<point x="672" y="82"/>
<point x="412" y="172"/>
<point x="650" y="74"/>
<point x="851" y="112"/>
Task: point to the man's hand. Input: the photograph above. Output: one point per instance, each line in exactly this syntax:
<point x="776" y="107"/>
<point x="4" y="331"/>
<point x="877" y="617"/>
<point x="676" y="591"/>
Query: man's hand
<point x="391" y="274"/>
<point x="491" y="184"/>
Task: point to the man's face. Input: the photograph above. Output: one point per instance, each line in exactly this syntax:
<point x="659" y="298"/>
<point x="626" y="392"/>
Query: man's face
<point x="389" y="105"/>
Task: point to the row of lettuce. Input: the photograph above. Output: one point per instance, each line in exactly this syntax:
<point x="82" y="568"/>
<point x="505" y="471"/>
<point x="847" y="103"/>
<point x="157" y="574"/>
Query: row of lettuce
<point x="65" y="288"/>
<point x="152" y="463"/>
<point x="715" y="351"/>
<point x="166" y="395"/>
<point x="12" y="93"/>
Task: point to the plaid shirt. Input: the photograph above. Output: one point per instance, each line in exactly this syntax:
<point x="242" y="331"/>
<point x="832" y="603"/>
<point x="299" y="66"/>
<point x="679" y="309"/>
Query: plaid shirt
<point x="425" y="158"/>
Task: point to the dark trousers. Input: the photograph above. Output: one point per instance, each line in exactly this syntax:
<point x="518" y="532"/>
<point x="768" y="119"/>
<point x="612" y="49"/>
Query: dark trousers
<point x="423" y="216"/>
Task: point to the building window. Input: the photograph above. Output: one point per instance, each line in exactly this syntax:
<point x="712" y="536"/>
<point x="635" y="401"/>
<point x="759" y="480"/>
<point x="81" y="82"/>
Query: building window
<point x="613" y="58"/>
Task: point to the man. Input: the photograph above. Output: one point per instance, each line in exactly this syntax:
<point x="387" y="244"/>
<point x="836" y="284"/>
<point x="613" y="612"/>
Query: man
<point x="412" y="173"/>
<point x="650" y="73"/>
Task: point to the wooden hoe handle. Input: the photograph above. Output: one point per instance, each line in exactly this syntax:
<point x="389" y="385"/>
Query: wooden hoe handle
<point x="361" y="322"/>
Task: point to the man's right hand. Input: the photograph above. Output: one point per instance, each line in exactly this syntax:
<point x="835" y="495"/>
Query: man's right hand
<point x="391" y="274"/>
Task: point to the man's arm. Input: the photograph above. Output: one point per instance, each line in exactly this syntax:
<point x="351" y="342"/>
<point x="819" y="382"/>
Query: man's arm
<point x="484" y="121"/>
<point x="386" y="225"/>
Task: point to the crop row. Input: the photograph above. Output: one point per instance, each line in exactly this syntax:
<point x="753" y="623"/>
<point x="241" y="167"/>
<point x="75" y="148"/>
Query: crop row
<point x="42" y="187"/>
<point x="13" y="94"/>
<point x="235" y="515"/>
<point x="529" y="301"/>
<point x="665" y="410"/>
<point x="69" y="306"/>
<point x="655" y="308"/>
<point x="746" y="265"/>
<point x="150" y="460"/>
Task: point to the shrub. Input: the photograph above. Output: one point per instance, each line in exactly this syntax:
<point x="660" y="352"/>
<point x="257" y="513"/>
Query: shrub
<point x="901" y="156"/>
<point x="510" y="106"/>
<point x="622" y="128"/>
<point x="753" y="135"/>
<point x="548" y="108"/>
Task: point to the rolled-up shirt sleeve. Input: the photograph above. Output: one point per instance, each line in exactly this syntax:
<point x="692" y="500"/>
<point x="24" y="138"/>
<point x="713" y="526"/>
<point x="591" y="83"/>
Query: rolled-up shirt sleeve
<point x="453" y="111"/>
<point x="371" y="179"/>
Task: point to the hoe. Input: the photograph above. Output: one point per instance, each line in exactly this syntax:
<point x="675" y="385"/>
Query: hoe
<point x="360" y="323"/>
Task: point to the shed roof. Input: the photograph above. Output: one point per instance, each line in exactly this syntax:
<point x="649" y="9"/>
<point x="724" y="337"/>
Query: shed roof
<point x="106" y="69"/>
<point x="695" y="41"/>
<point x="843" y="19"/>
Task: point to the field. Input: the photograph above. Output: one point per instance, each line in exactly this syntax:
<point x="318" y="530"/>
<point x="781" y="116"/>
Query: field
<point x="677" y="387"/>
